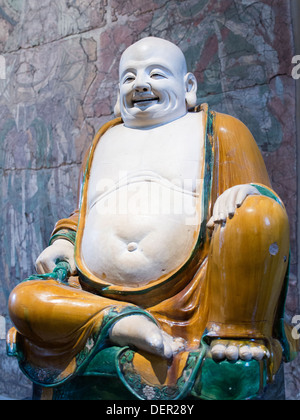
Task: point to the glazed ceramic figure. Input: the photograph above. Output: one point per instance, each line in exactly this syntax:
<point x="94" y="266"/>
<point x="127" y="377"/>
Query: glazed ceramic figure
<point x="178" y="252"/>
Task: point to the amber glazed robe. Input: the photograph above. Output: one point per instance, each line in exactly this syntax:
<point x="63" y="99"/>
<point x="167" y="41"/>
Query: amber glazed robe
<point x="232" y="286"/>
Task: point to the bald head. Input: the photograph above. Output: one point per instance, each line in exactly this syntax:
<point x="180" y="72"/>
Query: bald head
<point x="147" y="47"/>
<point x="155" y="87"/>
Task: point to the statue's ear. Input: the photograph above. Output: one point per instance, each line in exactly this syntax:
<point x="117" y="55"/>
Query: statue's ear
<point x="117" y="108"/>
<point x="191" y="90"/>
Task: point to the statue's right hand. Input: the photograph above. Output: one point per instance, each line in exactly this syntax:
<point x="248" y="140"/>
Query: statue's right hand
<point x="62" y="250"/>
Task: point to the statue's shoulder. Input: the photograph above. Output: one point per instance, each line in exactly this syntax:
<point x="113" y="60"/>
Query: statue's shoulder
<point x="225" y="121"/>
<point x="110" y="124"/>
<point x="229" y="123"/>
<point x="225" y="126"/>
<point x="228" y="128"/>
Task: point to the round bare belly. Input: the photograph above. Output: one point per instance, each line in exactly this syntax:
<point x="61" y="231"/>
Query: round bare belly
<point x="139" y="233"/>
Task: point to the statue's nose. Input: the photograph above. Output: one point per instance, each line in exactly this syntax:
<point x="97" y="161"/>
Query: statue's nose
<point x="142" y="89"/>
<point x="141" y="85"/>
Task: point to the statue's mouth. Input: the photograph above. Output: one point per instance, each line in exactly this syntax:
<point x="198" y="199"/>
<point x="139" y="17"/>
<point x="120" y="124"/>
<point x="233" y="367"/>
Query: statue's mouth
<point x="144" y="100"/>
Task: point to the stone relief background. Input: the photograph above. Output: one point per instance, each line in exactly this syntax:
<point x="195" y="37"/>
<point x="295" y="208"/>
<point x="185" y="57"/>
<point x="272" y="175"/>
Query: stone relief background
<point x="61" y="76"/>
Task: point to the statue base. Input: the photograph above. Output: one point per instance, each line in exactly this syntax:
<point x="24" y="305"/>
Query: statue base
<point x="213" y="381"/>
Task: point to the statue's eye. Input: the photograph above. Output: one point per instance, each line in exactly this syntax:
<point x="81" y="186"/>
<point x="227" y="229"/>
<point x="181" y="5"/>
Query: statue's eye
<point x="156" y="75"/>
<point x="128" y="79"/>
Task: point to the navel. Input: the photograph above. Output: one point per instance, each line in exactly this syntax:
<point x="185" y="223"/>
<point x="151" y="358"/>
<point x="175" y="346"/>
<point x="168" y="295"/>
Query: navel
<point x="132" y="246"/>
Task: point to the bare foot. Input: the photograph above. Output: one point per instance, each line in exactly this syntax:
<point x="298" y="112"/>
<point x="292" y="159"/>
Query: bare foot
<point x="141" y="332"/>
<point x="233" y="350"/>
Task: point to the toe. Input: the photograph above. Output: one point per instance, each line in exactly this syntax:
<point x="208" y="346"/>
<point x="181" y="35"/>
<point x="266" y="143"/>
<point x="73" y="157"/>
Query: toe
<point x="245" y="353"/>
<point x="155" y="343"/>
<point x="218" y="351"/>
<point x="232" y="353"/>
<point x="258" y="353"/>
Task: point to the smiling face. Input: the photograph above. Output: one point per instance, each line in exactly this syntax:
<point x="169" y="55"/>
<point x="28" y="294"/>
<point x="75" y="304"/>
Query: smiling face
<point x="153" y="83"/>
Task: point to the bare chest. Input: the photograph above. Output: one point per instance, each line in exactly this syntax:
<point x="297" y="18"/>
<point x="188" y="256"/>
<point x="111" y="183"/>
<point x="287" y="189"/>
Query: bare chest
<point x="172" y="152"/>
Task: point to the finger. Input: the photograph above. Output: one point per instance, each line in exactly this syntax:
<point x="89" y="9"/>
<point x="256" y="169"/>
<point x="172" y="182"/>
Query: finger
<point x="210" y="224"/>
<point x="48" y="266"/>
<point x="231" y="202"/>
<point x="243" y="193"/>
<point x="221" y="217"/>
<point x="216" y="210"/>
<point x="70" y="260"/>
<point x="231" y="212"/>
<point x="225" y="207"/>
<point x="73" y="268"/>
<point x="43" y="267"/>
<point x="39" y="267"/>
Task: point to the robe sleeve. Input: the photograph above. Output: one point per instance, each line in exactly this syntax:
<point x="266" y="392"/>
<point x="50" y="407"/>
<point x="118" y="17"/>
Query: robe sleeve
<point x="238" y="159"/>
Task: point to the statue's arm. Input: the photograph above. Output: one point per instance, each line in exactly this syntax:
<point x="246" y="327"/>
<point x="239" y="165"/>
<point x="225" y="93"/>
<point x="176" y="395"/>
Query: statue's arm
<point x="62" y="241"/>
<point x="239" y="158"/>
<point x="240" y="167"/>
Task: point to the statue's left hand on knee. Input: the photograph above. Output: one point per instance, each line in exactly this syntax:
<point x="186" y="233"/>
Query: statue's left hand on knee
<point x="229" y="201"/>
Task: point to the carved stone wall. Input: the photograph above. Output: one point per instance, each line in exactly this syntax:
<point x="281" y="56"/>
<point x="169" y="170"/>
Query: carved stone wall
<point x="61" y="72"/>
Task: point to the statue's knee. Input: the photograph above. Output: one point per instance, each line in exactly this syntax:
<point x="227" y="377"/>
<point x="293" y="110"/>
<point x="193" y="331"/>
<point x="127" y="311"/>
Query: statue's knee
<point x="265" y="211"/>
<point x="260" y="220"/>
<point x="257" y="234"/>
<point x="247" y="266"/>
<point x="22" y="302"/>
<point x="18" y="301"/>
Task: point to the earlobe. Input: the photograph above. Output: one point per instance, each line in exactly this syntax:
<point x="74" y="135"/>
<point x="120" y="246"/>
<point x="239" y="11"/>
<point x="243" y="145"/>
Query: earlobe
<point x="191" y="90"/>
